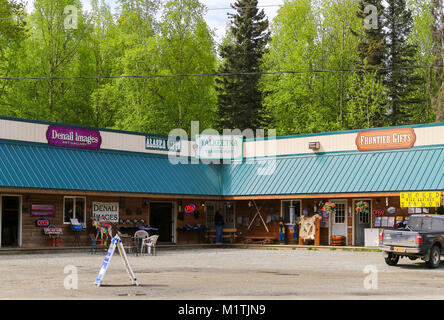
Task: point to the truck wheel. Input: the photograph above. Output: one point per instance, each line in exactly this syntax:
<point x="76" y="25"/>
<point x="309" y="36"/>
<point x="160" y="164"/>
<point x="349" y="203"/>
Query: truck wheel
<point x="435" y="258"/>
<point x="392" y="259"/>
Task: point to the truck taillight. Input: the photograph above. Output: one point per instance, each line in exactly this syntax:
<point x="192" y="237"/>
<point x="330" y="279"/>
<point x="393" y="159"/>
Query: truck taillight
<point x="418" y="239"/>
<point x="381" y="235"/>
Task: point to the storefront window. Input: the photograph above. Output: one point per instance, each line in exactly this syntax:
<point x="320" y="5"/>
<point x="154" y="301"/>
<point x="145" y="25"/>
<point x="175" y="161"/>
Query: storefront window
<point x="291" y="211"/>
<point x="69" y="210"/>
<point x="340" y="213"/>
<point x="210" y="208"/>
<point x="229" y="213"/>
<point x="74" y="208"/>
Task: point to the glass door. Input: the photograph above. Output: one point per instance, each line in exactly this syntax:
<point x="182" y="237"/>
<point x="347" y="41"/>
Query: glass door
<point x="339" y="220"/>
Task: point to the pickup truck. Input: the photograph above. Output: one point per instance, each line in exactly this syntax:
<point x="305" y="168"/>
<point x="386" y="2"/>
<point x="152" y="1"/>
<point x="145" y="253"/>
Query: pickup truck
<point x="421" y="237"/>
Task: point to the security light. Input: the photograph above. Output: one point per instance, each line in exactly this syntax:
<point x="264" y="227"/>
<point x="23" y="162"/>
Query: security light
<point x="314" y="145"/>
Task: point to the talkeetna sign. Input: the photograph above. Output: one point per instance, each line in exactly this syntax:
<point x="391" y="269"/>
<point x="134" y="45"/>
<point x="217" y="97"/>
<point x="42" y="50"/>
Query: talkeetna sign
<point x="61" y="136"/>
<point x="162" y="143"/>
<point x="108" y="211"/>
<point x="386" y="139"/>
<point x="212" y="147"/>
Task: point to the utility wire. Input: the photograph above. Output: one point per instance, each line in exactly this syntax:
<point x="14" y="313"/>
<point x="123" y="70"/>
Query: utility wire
<point x="208" y="9"/>
<point x="221" y="74"/>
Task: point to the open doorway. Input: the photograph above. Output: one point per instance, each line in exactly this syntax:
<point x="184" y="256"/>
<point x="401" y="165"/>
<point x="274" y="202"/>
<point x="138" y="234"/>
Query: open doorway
<point x="162" y="218"/>
<point x="10" y="221"/>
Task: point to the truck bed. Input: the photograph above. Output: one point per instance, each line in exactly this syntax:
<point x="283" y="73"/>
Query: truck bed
<point x="401" y="238"/>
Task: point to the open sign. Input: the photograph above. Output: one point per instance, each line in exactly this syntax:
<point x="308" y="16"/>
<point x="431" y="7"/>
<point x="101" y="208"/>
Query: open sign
<point x="42" y="223"/>
<point x="378" y="212"/>
<point x="189" y="208"/>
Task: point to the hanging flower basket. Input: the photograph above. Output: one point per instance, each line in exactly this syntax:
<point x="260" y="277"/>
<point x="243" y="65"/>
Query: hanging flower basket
<point x="362" y="207"/>
<point x="329" y="207"/>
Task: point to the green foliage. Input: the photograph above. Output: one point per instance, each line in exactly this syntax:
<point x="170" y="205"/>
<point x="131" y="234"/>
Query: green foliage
<point x="239" y="98"/>
<point x="154" y="37"/>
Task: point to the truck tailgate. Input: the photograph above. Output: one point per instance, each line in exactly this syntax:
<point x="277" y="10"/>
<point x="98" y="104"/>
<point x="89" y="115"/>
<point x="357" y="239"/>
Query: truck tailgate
<point x="399" y="238"/>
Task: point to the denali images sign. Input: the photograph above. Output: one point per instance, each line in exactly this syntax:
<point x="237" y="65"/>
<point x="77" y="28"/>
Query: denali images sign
<point x="161" y="143"/>
<point x="212" y="147"/>
<point x="385" y="139"/>
<point x="73" y="137"/>
<point x="109" y="211"/>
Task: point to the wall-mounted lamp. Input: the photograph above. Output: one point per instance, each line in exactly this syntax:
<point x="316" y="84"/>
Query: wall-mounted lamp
<point x="202" y="204"/>
<point x="314" y="145"/>
<point x="250" y="204"/>
<point x="179" y="205"/>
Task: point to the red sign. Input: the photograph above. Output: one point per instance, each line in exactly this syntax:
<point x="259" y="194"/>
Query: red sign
<point x="189" y="208"/>
<point x="378" y="212"/>
<point x="42" y="223"/>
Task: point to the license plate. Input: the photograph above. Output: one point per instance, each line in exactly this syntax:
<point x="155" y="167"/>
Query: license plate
<point x="398" y="249"/>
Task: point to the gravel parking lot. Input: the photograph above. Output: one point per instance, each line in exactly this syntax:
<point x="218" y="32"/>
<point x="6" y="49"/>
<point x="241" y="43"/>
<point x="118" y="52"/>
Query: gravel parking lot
<point x="220" y="274"/>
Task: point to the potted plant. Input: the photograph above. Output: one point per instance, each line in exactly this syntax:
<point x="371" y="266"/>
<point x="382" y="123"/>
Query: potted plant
<point x="329" y="207"/>
<point x="362" y="207"/>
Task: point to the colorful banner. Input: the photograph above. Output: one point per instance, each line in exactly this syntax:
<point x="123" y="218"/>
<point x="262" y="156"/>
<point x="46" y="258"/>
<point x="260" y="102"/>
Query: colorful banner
<point x="420" y="199"/>
<point x="73" y="137"/>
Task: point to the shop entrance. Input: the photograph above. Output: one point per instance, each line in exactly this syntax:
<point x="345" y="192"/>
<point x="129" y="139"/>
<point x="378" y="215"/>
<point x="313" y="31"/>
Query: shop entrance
<point x="339" y="220"/>
<point x="362" y="222"/>
<point x="162" y="218"/>
<point x="10" y="221"/>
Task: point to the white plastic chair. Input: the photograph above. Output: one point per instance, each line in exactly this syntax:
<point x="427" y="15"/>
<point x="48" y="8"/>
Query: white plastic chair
<point x="149" y="243"/>
<point x="141" y="235"/>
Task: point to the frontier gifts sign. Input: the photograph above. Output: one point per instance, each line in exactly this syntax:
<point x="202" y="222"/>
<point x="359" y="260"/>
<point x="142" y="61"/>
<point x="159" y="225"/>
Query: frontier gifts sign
<point x="60" y="136"/>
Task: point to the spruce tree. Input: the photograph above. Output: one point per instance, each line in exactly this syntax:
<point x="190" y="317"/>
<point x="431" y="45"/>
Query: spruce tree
<point x="371" y="46"/>
<point x="239" y="98"/>
<point x="437" y="73"/>
<point x="400" y="79"/>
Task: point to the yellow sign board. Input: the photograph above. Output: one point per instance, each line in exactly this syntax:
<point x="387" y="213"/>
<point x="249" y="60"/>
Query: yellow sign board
<point x="420" y="199"/>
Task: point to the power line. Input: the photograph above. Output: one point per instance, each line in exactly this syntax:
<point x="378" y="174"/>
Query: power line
<point x="208" y="9"/>
<point x="246" y="7"/>
<point x="220" y="74"/>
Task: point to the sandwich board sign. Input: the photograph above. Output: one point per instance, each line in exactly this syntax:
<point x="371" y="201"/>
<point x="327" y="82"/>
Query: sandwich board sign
<point x="115" y="242"/>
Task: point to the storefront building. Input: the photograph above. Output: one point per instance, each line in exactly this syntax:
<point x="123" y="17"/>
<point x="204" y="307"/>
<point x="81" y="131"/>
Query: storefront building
<point x="51" y="173"/>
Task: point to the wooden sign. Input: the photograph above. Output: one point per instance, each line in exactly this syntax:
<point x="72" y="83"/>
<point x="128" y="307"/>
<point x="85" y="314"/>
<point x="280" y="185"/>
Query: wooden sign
<point x="53" y="231"/>
<point x="386" y="139"/>
<point x="420" y="199"/>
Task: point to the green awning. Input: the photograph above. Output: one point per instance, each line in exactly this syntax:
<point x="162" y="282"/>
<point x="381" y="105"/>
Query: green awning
<point x="418" y="169"/>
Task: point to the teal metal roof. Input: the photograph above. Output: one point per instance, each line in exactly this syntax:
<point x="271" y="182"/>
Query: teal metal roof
<point x="418" y="169"/>
<point x="32" y="165"/>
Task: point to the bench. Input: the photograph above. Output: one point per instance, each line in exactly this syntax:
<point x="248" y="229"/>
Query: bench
<point x="227" y="233"/>
<point x="259" y="239"/>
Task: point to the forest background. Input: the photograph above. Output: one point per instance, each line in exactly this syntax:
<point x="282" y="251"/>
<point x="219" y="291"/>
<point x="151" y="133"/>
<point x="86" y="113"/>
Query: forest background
<point x="152" y="66"/>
